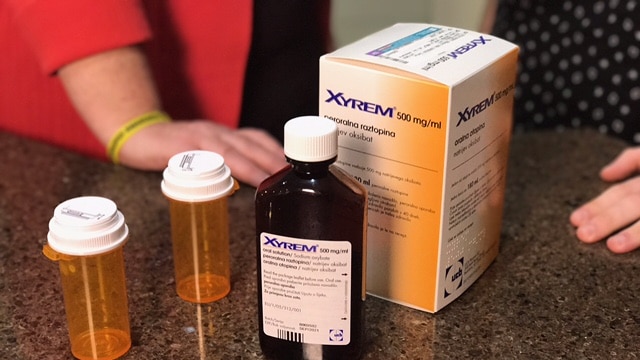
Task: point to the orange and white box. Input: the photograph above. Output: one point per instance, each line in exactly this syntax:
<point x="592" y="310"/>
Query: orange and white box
<point x="425" y="118"/>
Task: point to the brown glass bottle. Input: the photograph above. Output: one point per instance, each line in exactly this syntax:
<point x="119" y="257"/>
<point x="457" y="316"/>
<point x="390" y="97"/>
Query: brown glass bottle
<point x="306" y="202"/>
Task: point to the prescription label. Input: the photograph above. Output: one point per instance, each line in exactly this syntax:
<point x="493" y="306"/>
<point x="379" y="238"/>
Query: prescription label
<point x="306" y="289"/>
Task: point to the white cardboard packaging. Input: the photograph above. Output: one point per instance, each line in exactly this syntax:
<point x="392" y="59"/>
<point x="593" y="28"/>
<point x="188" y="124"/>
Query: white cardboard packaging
<point x="425" y="118"/>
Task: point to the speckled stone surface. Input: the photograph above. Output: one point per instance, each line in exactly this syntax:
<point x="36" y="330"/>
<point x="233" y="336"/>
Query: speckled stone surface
<point x="547" y="296"/>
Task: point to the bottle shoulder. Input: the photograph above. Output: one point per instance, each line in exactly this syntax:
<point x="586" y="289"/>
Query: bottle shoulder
<point x="274" y="180"/>
<point x="287" y="181"/>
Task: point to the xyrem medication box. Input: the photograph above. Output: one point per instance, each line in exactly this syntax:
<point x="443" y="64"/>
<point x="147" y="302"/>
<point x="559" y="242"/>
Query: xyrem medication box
<point x="425" y="118"/>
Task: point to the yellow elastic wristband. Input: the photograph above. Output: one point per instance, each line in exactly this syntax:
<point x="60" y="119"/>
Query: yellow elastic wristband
<point x="131" y="128"/>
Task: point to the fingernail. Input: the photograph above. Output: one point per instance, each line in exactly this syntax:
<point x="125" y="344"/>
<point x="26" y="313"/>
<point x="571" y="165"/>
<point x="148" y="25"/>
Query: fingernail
<point x="619" y="243"/>
<point x="618" y="239"/>
<point x="577" y="217"/>
<point x="586" y="233"/>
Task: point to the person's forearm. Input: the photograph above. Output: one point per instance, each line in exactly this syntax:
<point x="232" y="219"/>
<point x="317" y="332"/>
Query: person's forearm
<point x="489" y="16"/>
<point x="110" y="88"/>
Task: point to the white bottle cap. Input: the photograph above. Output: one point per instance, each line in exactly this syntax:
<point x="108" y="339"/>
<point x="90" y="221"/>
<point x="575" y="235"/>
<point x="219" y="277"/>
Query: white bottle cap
<point x="310" y="139"/>
<point x="195" y="176"/>
<point x="87" y="225"/>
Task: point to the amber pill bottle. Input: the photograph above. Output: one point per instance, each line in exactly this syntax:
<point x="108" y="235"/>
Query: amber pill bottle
<point x="311" y="246"/>
<point x="197" y="185"/>
<point x="86" y="237"/>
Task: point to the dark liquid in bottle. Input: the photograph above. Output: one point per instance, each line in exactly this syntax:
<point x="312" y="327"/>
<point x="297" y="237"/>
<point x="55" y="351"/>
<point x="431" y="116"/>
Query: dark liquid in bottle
<point x="313" y="203"/>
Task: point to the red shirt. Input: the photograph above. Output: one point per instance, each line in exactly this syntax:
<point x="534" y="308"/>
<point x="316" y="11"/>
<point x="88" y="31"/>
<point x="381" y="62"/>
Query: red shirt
<point x="199" y="73"/>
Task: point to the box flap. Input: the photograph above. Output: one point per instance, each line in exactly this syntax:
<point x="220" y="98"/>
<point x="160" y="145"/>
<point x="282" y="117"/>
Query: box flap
<point x="443" y="54"/>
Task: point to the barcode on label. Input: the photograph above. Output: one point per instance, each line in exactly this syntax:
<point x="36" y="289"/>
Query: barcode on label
<point x="290" y="336"/>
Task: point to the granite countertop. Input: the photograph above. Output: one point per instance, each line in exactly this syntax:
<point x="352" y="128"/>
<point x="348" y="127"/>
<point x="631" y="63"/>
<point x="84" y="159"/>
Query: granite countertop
<point x="546" y="296"/>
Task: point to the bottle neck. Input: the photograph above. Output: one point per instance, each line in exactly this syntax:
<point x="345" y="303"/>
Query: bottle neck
<point x="311" y="169"/>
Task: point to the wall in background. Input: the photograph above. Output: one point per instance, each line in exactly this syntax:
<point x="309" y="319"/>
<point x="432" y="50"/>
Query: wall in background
<point x="354" y="19"/>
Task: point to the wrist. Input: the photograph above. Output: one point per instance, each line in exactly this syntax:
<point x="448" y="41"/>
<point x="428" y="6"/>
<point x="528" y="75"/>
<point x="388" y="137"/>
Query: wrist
<point x="130" y="128"/>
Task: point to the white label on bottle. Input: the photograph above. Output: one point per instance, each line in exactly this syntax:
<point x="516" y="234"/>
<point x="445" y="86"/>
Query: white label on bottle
<point x="306" y="289"/>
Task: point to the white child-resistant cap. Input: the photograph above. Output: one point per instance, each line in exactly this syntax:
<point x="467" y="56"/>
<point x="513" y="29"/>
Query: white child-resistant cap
<point x="310" y="138"/>
<point x="195" y="176"/>
<point x="87" y="225"/>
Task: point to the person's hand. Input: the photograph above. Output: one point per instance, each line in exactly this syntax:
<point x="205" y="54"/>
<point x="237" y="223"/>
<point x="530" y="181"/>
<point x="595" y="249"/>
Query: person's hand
<point x="251" y="154"/>
<point x="112" y="86"/>
<point x="614" y="214"/>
